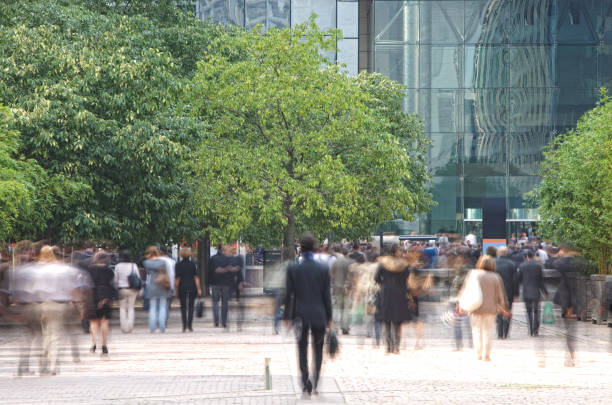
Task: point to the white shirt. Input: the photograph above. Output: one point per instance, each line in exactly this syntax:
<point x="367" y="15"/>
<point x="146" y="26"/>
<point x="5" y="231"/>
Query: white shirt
<point x="122" y="271"/>
<point x="325" y="258"/>
<point x="471" y="240"/>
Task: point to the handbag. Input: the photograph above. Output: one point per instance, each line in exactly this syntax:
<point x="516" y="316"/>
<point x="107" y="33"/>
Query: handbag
<point x="200" y="309"/>
<point x="548" y="317"/>
<point x="134" y="280"/>
<point x="333" y="346"/>
<point x="163" y="280"/>
<point x="471" y="298"/>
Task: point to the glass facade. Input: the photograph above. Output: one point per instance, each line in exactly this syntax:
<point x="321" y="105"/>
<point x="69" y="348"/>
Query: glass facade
<point x="341" y="14"/>
<point x="495" y="81"/>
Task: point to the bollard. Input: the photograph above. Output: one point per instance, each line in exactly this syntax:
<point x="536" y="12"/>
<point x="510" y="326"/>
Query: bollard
<point x="267" y="374"/>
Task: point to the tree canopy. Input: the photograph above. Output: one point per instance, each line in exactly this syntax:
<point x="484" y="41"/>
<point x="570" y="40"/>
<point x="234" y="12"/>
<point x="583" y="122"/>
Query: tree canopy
<point x="296" y="144"/>
<point x="575" y="196"/>
<point x="94" y="87"/>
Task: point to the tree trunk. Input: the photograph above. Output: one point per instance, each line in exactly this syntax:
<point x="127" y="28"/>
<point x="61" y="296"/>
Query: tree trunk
<point x="289" y="238"/>
<point x="203" y="262"/>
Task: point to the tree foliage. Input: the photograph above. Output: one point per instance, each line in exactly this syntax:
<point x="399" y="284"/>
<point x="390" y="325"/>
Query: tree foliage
<point x="575" y="196"/>
<point x="94" y="86"/>
<point x="295" y="144"/>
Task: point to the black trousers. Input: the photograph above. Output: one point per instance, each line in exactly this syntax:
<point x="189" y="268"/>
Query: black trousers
<point x="220" y="293"/>
<point x="503" y="324"/>
<point x="533" y="316"/>
<point x="187" y="299"/>
<point x="318" y="338"/>
<point x="393" y="336"/>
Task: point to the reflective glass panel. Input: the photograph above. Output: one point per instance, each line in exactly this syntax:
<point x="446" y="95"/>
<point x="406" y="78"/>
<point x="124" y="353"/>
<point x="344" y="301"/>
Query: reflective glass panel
<point x="441" y="67"/>
<point x="301" y="10"/>
<point x="486" y="22"/>
<point x="605" y="66"/>
<point x="532" y="109"/>
<point x="348" y="18"/>
<point x="270" y="13"/>
<point x="525" y="152"/>
<point x="517" y="187"/>
<point x="399" y="63"/>
<point x="529" y="21"/>
<point x="441" y="110"/>
<point x="348" y="52"/>
<point x="576" y="21"/>
<point x="444" y="154"/>
<point x="221" y="11"/>
<point x="490" y="110"/>
<point x="474" y="17"/>
<point x="487" y="66"/>
<point x="531" y="66"/>
<point x="477" y="188"/>
<point x="447" y="192"/>
<point x="572" y="103"/>
<point x="577" y="66"/>
<point x="396" y="21"/>
<point x="484" y="155"/>
<point x="441" y="22"/>
<point x="606" y="22"/>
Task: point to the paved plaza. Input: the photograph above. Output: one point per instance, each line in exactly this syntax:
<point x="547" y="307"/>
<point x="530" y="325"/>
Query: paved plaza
<point x="212" y="366"/>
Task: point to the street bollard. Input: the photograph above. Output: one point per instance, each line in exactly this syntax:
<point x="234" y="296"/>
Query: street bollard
<point x="267" y="374"/>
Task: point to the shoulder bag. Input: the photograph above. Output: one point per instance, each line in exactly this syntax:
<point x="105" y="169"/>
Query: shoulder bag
<point x="134" y="280"/>
<point x="471" y="298"/>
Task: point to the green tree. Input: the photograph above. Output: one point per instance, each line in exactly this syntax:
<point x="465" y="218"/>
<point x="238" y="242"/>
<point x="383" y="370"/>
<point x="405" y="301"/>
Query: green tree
<point x="95" y="87"/>
<point x="27" y="193"/>
<point x="294" y="144"/>
<point x="575" y="196"/>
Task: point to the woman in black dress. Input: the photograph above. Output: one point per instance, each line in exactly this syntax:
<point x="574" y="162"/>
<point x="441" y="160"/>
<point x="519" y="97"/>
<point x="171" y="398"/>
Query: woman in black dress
<point x="102" y="277"/>
<point x="392" y="276"/>
<point x="187" y="285"/>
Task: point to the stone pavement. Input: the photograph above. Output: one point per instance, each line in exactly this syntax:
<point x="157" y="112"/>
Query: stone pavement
<point x="211" y="366"/>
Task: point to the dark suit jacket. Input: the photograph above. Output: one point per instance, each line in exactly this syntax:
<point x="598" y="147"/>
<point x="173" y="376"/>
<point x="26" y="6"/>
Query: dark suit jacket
<point x="506" y="268"/>
<point x="566" y="267"/>
<point x="530" y="275"/>
<point x="308" y="295"/>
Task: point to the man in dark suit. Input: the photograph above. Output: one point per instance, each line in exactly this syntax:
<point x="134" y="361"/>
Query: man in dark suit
<point x="308" y="305"/>
<point x="506" y="268"/>
<point x="530" y="275"/>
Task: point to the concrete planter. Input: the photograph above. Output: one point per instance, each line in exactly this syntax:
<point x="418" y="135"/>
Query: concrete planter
<point x="598" y="304"/>
<point x="583" y="297"/>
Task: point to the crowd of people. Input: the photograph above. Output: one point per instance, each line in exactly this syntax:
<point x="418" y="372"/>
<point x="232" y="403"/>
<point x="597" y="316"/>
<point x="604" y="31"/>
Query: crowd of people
<point x="371" y="293"/>
<point x="364" y="292"/>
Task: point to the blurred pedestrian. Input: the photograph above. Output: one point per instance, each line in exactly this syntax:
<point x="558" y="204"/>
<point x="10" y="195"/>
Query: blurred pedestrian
<point x="127" y="295"/>
<point x="309" y="301"/>
<point x="392" y="276"/>
<point x="222" y="282"/>
<point x="157" y="289"/>
<point x="564" y="297"/>
<point x="493" y="301"/>
<point x="506" y="269"/>
<point x="165" y="253"/>
<point x="187" y="286"/>
<point x="104" y="293"/>
<point x="530" y="276"/>
<point x="341" y="289"/>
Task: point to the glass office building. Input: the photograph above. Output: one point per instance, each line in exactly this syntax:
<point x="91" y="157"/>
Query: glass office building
<point x="494" y="81"/>
<point x="341" y="14"/>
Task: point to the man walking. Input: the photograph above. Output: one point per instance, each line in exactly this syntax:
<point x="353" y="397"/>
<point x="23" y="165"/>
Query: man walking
<point x="308" y="299"/>
<point x="506" y="268"/>
<point x="341" y="289"/>
<point x="222" y="282"/>
<point x="530" y="275"/>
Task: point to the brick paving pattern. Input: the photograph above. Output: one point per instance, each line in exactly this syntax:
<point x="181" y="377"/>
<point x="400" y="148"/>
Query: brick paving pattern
<point x="211" y="366"/>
